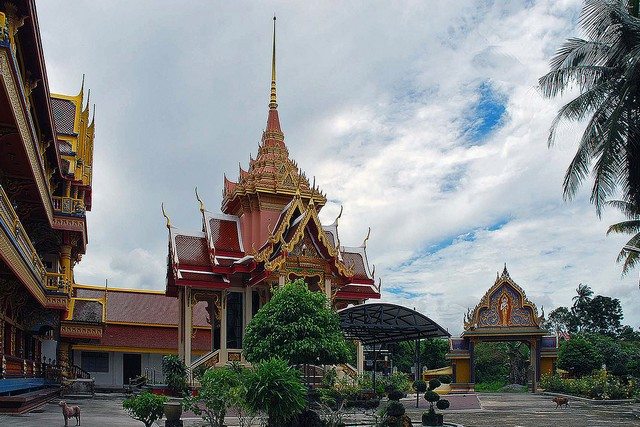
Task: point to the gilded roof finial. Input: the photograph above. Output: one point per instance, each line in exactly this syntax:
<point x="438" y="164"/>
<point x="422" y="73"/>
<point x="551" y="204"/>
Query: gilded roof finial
<point x="273" y="103"/>
<point x="202" y="209"/>
<point x="364" y="244"/>
<point x="81" y="87"/>
<point x="165" y="216"/>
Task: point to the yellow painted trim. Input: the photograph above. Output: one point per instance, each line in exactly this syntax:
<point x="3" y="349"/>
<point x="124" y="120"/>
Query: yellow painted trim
<point x="156" y="325"/>
<point x="88" y="347"/>
<point x="110" y="289"/>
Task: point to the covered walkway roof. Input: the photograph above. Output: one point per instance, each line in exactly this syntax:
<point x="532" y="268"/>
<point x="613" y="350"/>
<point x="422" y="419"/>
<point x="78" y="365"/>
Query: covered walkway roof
<point x="381" y="323"/>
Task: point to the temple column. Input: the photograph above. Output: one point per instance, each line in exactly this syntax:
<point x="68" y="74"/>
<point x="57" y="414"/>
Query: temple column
<point x="247" y="307"/>
<point x="65" y="261"/>
<point x="282" y="280"/>
<point x="181" y="324"/>
<point x="359" y="357"/>
<point x="472" y="362"/>
<point x="533" y="364"/>
<point x="188" y="309"/>
<point x="327" y="288"/>
<point x="223" y="330"/>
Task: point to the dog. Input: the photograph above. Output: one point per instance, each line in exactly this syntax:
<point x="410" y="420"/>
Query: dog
<point x="561" y="401"/>
<point x="70" y="411"/>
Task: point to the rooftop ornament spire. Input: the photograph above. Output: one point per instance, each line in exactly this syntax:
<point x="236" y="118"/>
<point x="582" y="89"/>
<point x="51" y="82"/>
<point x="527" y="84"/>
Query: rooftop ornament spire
<point x="273" y="134"/>
<point x="273" y="102"/>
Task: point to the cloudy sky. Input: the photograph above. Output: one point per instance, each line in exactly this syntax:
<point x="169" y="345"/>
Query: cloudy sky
<point x="421" y="118"/>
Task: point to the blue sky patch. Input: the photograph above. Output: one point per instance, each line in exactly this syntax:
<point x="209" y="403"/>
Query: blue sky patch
<point x="486" y="115"/>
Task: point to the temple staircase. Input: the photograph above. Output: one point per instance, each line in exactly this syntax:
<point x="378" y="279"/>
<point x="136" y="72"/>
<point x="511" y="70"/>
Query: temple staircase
<point x="207" y="360"/>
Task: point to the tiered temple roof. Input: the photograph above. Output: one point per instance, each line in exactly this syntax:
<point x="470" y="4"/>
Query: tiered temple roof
<point x="269" y="224"/>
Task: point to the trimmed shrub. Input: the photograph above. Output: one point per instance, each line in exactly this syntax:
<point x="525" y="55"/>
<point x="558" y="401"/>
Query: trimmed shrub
<point x="145" y="407"/>
<point x="445" y="379"/>
<point x="434" y="384"/>
<point x="420" y="386"/>
<point x="395" y="395"/>
<point x="442" y="404"/>
<point x="431" y="397"/>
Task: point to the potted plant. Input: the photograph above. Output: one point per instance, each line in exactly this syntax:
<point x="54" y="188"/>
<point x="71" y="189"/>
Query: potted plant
<point x="175" y="375"/>
<point x="146" y="407"/>
<point x="431" y="418"/>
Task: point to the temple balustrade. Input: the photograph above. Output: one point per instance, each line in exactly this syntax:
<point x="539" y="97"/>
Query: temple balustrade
<point x="68" y="206"/>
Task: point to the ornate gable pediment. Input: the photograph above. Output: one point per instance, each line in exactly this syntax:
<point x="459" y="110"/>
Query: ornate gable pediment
<point x="300" y="234"/>
<point x="504" y="305"/>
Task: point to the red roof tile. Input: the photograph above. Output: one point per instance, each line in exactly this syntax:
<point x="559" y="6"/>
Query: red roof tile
<point x="143" y="307"/>
<point x="192" y="250"/>
<point x="224" y="235"/>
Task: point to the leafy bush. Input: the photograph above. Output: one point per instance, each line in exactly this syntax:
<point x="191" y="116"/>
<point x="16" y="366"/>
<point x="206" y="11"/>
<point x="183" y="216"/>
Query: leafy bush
<point x="597" y="386"/>
<point x="145" y="407"/>
<point x="219" y="389"/>
<point x="275" y="388"/>
<point x="397" y="381"/>
<point x="442" y="404"/>
<point x="175" y="374"/>
<point x="445" y="379"/>
<point x="420" y="386"/>
<point x="434" y="384"/>
<point x="395" y="395"/>
<point x="395" y="409"/>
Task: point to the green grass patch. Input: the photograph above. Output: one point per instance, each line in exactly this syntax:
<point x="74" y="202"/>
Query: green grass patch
<point x="490" y="386"/>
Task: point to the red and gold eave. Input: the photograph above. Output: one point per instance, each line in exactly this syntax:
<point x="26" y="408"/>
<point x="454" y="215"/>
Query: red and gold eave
<point x="216" y="258"/>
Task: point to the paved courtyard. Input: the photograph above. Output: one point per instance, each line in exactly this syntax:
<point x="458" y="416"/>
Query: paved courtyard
<point x="498" y="410"/>
<point x="528" y="410"/>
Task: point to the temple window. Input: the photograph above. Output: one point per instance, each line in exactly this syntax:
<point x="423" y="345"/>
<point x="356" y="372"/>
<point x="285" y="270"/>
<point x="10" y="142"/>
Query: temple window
<point x="93" y="361"/>
<point x="255" y="303"/>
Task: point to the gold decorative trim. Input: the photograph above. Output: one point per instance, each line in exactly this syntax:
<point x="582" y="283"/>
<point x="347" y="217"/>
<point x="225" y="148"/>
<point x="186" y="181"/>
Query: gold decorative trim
<point x="6" y="72"/>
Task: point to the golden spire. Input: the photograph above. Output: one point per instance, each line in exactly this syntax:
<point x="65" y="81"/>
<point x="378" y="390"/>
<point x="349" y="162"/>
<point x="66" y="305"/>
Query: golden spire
<point x="273" y="104"/>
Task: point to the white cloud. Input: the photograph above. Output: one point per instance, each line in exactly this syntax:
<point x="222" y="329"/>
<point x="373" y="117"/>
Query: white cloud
<point x="372" y="102"/>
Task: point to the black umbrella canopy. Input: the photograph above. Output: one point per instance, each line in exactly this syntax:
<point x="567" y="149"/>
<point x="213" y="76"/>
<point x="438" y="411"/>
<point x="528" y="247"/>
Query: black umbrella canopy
<point x="385" y="323"/>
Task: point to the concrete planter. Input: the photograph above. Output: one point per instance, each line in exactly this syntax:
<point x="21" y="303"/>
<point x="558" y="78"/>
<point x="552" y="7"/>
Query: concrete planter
<point x="173" y="410"/>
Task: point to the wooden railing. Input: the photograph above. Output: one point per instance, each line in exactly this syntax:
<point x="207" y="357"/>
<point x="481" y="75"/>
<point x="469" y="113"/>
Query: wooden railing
<point x="14" y="227"/>
<point x="57" y="282"/>
<point x="68" y="206"/>
<point x="17" y="367"/>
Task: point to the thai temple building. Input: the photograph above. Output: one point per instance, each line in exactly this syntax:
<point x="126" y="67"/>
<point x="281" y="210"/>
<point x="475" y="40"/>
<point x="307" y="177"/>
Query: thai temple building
<point x="46" y="167"/>
<point x="268" y="233"/>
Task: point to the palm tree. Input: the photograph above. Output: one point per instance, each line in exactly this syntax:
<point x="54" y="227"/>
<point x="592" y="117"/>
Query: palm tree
<point x="630" y="226"/>
<point x="605" y="68"/>
<point x="583" y="295"/>
<point x="580" y="308"/>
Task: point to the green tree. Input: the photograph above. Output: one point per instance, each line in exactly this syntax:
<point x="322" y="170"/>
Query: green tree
<point x="561" y="320"/>
<point x="580" y="308"/>
<point x="604" y="67"/>
<point x="611" y="352"/>
<point x="433" y="351"/>
<point x="603" y="316"/>
<point x="578" y="356"/>
<point x="296" y="325"/>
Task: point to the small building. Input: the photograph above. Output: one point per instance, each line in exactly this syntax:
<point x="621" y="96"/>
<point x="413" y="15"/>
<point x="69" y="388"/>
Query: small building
<point x="138" y="328"/>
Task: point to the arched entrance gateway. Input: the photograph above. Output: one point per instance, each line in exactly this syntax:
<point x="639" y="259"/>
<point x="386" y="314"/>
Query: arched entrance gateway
<point x="503" y="314"/>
